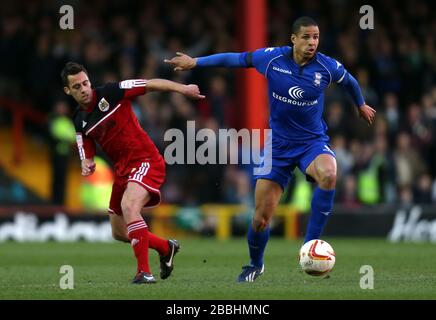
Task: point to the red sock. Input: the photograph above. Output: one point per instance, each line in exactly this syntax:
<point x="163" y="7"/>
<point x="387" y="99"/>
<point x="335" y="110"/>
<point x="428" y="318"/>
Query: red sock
<point x="138" y="236"/>
<point x="159" y="244"/>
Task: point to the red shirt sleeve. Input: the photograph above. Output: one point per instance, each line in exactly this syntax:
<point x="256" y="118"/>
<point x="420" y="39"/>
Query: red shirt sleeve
<point x="85" y="145"/>
<point x="133" y="88"/>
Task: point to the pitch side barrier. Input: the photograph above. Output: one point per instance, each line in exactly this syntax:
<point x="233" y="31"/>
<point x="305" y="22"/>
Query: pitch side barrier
<point x="414" y="223"/>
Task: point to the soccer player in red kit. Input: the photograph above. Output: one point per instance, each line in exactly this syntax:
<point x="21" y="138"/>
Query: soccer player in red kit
<point x="105" y="116"/>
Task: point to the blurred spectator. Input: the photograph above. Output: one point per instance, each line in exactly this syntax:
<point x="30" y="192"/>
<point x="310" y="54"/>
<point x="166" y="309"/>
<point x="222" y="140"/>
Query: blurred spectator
<point x="422" y="189"/>
<point x="419" y="127"/>
<point x="42" y="72"/>
<point x="62" y="136"/>
<point x="392" y="114"/>
<point x="367" y="175"/>
<point x="344" y="160"/>
<point x="236" y="186"/>
<point x="408" y="163"/>
<point x="335" y="118"/>
<point x="349" y="194"/>
<point x="405" y="196"/>
<point x="369" y="93"/>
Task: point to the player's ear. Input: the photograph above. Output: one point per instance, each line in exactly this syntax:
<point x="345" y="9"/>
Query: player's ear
<point x="67" y="91"/>
<point x="293" y="37"/>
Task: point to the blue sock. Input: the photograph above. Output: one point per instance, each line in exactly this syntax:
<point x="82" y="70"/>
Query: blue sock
<point x="256" y="245"/>
<point x="322" y="204"/>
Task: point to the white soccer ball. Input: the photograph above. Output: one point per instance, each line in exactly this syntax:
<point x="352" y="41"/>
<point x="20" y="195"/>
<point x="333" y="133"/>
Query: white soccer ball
<point x="317" y="257"/>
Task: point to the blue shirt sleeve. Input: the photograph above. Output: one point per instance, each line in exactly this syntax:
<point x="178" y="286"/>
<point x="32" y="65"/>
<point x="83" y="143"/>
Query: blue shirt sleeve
<point x="228" y="59"/>
<point x="341" y="76"/>
<point x="352" y="86"/>
<point x="261" y="58"/>
<point x="337" y="70"/>
<point x="258" y="59"/>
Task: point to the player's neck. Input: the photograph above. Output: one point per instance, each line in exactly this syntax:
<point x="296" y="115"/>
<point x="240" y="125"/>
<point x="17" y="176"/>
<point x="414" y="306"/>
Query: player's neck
<point x="84" y="106"/>
<point x="300" y="59"/>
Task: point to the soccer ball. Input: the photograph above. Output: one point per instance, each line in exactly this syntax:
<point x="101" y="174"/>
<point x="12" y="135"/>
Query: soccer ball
<point x="317" y="257"/>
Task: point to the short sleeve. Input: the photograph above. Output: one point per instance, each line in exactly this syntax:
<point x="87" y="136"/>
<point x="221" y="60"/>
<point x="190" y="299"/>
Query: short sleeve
<point x="127" y="89"/>
<point x="261" y="58"/>
<point x="133" y="87"/>
<point x="111" y="91"/>
<point x="337" y="70"/>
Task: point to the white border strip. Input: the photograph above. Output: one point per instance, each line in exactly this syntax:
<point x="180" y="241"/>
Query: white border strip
<point x="95" y="125"/>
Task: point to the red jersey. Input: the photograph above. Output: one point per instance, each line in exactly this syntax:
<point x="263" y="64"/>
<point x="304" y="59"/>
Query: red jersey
<point x="110" y="121"/>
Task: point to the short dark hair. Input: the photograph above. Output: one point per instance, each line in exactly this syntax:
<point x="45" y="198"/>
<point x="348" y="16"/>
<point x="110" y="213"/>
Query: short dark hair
<point x="303" y="22"/>
<point x="71" y="68"/>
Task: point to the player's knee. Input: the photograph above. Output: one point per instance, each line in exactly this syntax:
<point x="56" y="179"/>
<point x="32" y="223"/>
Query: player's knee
<point x="262" y="216"/>
<point x="260" y="224"/>
<point x="129" y="207"/>
<point x="328" y="178"/>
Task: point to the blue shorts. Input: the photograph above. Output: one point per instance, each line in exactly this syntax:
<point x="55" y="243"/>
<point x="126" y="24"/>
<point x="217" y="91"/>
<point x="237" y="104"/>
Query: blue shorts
<point x="280" y="160"/>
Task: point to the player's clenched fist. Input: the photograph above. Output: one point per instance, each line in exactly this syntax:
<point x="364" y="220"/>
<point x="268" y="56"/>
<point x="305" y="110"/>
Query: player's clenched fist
<point x="192" y="91"/>
<point x="367" y="113"/>
<point x="182" y="62"/>
<point x="88" y="167"/>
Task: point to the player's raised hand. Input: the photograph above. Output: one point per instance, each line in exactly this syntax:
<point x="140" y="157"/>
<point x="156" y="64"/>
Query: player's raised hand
<point x="182" y="62"/>
<point x="367" y="113"/>
<point x="88" y="167"/>
<point x="192" y="91"/>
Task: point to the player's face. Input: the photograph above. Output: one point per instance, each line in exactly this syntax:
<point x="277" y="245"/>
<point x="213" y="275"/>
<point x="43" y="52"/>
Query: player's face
<point x="306" y="41"/>
<point x="79" y="87"/>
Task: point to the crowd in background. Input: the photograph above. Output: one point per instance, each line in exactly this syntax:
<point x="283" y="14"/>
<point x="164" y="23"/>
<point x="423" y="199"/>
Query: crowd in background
<point x="392" y="161"/>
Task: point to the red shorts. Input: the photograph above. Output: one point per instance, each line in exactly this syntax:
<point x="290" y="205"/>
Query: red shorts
<point x="148" y="174"/>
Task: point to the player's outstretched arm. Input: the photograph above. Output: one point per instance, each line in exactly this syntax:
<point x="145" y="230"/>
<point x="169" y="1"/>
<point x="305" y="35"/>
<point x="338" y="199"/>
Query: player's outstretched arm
<point x="183" y="62"/>
<point x="190" y="90"/>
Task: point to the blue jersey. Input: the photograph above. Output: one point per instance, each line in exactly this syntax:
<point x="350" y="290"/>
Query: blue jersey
<point x="296" y="93"/>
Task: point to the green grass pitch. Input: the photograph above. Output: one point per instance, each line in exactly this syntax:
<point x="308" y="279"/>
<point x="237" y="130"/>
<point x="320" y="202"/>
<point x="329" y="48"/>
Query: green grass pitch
<point x="207" y="269"/>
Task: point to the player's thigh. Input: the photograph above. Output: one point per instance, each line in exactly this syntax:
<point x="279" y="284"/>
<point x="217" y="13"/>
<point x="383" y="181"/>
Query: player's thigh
<point x="119" y="229"/>
<point x="322" y="167"/>
<point x="118" y="189"/>
<point x="267" y="197"/>
<point x="134" y="198"/>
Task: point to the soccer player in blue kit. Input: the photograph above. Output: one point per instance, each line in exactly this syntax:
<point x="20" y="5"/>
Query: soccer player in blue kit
<point x="297" y="77"/>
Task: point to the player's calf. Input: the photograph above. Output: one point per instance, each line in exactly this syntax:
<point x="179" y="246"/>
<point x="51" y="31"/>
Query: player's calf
<point x="120" y="237"/>
<point x="119" y="230"/>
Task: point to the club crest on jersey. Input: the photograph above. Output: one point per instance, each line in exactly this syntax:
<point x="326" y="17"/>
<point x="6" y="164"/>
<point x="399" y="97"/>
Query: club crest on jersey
<point x="103" y="105"/>
<point x="317" y="79"/>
